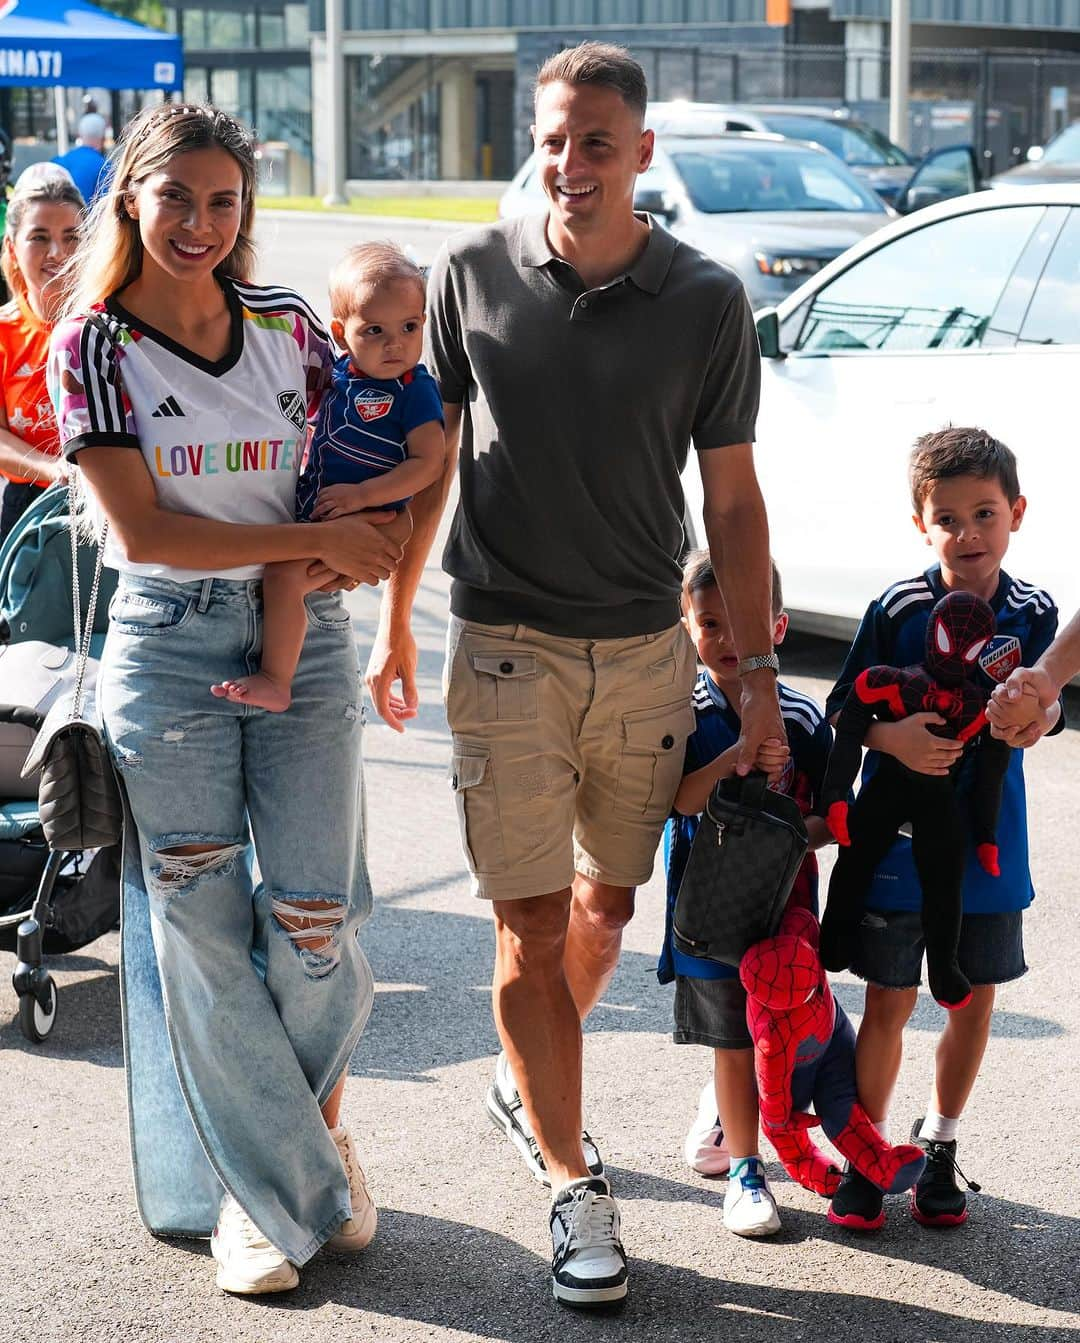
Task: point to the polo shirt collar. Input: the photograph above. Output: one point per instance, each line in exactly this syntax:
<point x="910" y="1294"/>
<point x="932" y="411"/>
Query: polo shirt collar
<point x="648" y="272"/>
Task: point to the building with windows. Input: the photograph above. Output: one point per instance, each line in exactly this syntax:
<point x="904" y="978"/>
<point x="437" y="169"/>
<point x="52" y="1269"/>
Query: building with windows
<point x="442" y="88"/>
<point x="252" y="59"/>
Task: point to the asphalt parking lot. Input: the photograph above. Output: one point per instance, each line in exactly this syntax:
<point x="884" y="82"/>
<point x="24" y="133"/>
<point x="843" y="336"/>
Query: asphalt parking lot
<point x="462" y="1246"/>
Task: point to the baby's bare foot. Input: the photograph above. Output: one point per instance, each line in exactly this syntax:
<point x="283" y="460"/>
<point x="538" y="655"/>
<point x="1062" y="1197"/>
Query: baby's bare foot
<point x="259" y="690"/>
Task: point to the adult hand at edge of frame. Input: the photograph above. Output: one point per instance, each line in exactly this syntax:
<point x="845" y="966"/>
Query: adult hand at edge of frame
<point x="393" y="659"/>
<point x="759" y="712"/>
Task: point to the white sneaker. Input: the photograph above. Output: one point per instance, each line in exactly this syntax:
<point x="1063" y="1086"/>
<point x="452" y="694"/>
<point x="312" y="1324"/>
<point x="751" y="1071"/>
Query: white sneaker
<point x="704" y="1147"/>
<point x="359" y="1231"/>
<point x="505" y="1109"/>
<point x="749" y="1206"/>
<point x="588" y="1263"/>
<point x="247" y="1263"/>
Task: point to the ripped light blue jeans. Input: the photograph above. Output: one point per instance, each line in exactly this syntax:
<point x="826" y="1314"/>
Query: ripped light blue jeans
<point x="234" y="1032"/>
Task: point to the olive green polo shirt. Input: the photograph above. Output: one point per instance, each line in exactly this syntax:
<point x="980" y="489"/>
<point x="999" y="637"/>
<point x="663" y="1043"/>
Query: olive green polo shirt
<point x="579" y="409"/>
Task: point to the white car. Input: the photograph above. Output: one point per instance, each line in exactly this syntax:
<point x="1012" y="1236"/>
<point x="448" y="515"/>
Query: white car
<point x="965" y="313"/>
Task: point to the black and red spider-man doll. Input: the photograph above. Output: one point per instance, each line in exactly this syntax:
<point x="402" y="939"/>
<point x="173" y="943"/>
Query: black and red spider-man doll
<point x="804" y="1055"/>
<point x="960" y="627"/>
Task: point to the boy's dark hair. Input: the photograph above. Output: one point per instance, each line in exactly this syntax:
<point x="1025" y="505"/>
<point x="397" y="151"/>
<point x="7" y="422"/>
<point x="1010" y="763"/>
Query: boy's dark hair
<point x="959" y="451"/>
<point x="698" y="573"/>
<point x="601" y="63"/>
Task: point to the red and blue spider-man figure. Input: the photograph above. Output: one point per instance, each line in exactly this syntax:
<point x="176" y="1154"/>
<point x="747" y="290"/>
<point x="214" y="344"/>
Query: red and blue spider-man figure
<point x="960" y="627"/>
<point x="804" y="1055"/>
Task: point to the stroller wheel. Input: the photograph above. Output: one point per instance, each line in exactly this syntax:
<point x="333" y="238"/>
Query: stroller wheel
<point x="36" y="1021"/>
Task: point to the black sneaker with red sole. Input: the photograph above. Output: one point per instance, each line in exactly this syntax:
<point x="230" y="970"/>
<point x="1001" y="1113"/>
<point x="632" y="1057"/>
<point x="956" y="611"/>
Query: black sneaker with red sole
<point x="857" y="1204"/>
<point x="937" y="1200"/>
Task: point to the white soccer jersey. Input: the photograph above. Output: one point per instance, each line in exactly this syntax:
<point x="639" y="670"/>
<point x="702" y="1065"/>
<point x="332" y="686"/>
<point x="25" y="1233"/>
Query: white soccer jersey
<point x="221" y="439"/>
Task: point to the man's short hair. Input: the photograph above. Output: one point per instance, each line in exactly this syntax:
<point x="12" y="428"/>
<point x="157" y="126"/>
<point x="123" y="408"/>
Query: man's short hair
<point x="600" y="63"/>
<point x="369" y="263"/>
<point x="960" y="451"/>
<point x="698" y="573"/>
<point x="92" y="128"/>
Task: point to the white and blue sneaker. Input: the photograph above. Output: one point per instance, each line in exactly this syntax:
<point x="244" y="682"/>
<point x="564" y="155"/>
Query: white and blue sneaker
<point x="588" y="1262"/>
<point x="704" y="1146"/>
<point x="749" y="1206"/>
<point x="505" y="1110"/>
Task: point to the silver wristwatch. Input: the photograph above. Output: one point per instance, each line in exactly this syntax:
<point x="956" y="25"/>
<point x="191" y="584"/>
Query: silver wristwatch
<point x="760" y="662"/>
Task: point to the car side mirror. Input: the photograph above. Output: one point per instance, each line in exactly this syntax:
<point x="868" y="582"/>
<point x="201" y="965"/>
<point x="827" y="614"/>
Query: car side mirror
<point x="656" y="202"/>
<point x="918" y="198"/>
<point x="768" y="334"/>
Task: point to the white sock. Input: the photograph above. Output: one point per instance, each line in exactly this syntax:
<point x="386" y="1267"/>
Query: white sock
<point x="882" y="1126"/>
<point x="939" y="1128"/>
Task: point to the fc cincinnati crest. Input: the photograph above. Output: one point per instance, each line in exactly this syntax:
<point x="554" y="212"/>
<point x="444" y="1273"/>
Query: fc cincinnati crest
<point x="371" y="404"/>
<point x="1000" y="656"/>
<point x="293" y="407"/>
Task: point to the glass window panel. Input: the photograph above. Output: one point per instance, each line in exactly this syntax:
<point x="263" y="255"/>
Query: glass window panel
<point x="1054" y="315"/>
<point x="271" y="29"/>
<point x="296" y="25"/>
<point x="932" y="289"/>
<point x="196" y="85"/>
<point x="194" y="30"/>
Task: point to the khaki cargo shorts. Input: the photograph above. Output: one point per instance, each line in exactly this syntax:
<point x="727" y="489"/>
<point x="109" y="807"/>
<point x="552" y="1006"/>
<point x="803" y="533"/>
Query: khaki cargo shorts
<point x="567" y="752"/>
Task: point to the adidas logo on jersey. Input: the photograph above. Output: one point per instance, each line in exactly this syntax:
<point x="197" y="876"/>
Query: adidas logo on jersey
<point x="25" y="372"/>
<point x="169" y="407"/>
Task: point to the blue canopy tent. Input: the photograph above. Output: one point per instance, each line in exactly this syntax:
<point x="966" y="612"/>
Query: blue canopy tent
<point x="72" y="44"/>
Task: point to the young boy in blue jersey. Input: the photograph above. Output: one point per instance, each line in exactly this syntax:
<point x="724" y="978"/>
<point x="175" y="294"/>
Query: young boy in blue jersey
<point x="967" y="502"/>
<point x="378" y="440"/>
<point x="710" y="1001"/>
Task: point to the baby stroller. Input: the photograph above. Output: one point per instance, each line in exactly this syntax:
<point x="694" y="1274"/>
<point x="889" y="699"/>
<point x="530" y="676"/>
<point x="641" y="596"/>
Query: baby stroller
<point x="50" y="902"/>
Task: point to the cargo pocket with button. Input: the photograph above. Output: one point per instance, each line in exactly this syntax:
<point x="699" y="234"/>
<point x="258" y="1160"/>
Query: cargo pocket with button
<point x="478" y="808"/>
<point x="505" y="686"/>
<point x="651" y="759"/>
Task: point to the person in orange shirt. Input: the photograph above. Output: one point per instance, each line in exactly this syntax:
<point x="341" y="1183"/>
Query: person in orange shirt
<point x="42" y="228"/>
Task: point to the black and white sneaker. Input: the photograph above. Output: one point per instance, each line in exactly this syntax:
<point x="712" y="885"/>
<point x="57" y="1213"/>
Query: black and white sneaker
<point x="588" y="1263"/>
<point x="504" y="1107"/>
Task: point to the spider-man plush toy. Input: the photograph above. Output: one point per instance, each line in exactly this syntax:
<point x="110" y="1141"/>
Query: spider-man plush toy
<point x="804" y="1054"/>
<point x="960" y="627"/>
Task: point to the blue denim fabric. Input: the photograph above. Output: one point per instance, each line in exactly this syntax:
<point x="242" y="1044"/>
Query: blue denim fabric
<point x="234" y="1035"/>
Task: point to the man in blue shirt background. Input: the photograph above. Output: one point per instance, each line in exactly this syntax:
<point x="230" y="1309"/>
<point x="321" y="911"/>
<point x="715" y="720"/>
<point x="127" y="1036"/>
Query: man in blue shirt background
<point x="86" y="161"/>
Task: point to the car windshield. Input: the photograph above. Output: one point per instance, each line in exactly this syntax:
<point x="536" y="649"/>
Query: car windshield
<point x="857" y="145"/>
<point x="729" y="178"/>
<point x="1065" y="148"/>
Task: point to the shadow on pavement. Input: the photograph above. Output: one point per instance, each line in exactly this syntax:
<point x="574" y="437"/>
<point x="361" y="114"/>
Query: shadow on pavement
<point x="439" y="965"/>
<point x="87" y="1020"/>
<point x="994" y="1249"/>
<point x="433" y="1271"/>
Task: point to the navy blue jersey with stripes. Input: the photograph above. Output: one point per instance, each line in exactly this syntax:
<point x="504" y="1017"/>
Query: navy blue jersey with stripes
<point x="717" y="728"/>
<point x="363" y="427"/>
<point x="893" y="634"/>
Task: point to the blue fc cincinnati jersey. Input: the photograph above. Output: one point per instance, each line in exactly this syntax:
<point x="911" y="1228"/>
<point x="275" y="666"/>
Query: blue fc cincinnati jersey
<point x="362" y="428"/>
<point x="717" y="728"/>
<point x="893" y="634"/>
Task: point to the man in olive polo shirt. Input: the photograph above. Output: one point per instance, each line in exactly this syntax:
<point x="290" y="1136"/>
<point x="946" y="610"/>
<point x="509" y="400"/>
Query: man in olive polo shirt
<point x="578" y="355"/>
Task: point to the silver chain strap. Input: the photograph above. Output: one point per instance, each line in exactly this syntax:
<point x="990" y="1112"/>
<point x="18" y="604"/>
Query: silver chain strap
<point x="82" y="632"/>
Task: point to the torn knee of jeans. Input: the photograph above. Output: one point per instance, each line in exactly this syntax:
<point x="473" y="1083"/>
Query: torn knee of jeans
<point x="182" y="866"/>
<point x="314" y="928"/>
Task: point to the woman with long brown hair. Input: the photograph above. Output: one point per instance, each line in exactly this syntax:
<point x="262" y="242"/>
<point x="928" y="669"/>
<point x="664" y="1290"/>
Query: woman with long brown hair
<point x="182" y="393"/>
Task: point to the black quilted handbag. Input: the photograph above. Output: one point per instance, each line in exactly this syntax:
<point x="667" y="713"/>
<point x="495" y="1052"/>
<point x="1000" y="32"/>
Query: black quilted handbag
<point x="78" y="797"/>
<point x="747" y="850"/>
